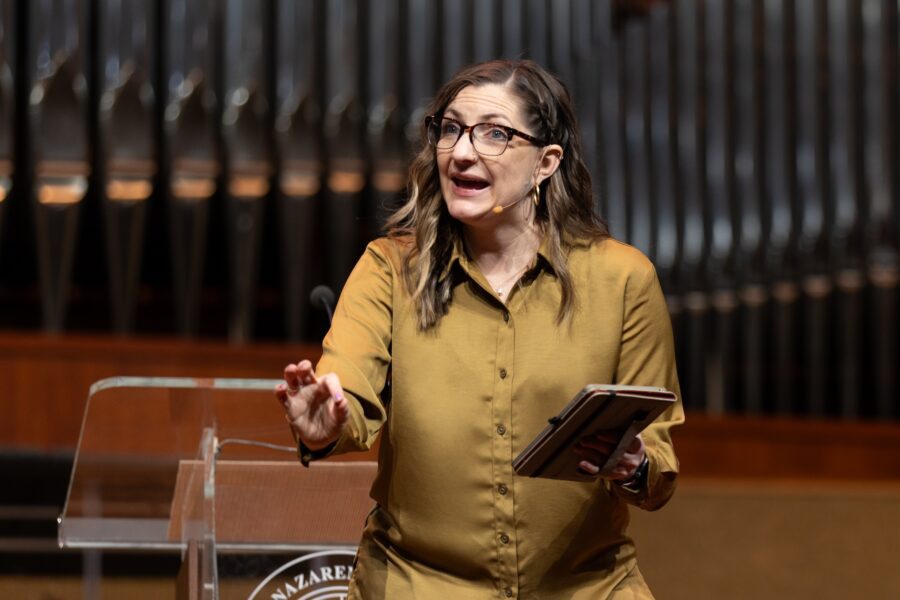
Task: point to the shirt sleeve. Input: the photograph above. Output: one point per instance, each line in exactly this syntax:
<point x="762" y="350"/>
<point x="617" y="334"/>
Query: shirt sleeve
<point x="647" y="357"/>
<point x="357" y="349"/>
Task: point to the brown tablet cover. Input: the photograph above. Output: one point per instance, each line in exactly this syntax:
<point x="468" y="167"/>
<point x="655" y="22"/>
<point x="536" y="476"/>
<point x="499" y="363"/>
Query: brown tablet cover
<point x="625" y="409"/>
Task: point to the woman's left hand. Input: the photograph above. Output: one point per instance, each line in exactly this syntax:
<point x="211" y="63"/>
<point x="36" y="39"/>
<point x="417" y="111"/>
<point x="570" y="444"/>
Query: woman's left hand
<point x="595" y="449"/>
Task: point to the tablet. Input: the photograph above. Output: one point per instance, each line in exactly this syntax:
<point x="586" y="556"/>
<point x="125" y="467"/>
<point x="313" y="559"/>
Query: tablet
<point x="624" y="409"/>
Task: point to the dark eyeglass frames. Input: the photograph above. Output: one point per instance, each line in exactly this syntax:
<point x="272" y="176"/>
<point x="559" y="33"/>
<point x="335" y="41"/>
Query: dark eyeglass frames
<point x="488" y="139"/>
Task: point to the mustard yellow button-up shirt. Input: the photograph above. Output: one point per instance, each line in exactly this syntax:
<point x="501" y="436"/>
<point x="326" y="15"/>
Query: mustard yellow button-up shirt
<point x="452" y="519"/>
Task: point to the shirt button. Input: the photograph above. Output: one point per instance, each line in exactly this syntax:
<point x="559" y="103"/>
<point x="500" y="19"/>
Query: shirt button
<point x="506" y="317"/>
<point x="502" y="489"/>
<point x="501" y="429"/>
<point x="502" y="373"/>
<point x="504" y="538"/>
<point x="508" y="592"/>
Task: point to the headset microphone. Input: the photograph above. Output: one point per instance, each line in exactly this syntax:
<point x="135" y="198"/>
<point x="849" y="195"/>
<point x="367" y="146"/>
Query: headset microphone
<point x="499" y="208"/>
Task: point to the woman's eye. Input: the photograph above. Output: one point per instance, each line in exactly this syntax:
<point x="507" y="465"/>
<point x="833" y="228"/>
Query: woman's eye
<point x="496" y="134"/>
<point x="450" y="129"/>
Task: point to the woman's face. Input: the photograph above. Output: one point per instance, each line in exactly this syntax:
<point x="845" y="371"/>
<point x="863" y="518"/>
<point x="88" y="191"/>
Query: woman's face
<point x="472" y="183"/>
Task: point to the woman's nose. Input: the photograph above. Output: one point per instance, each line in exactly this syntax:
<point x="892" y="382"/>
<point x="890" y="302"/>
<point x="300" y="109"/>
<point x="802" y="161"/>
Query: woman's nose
<point x="464" y="150"/>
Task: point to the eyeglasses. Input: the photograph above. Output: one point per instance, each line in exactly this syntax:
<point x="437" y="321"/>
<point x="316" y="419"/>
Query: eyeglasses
<point x="488" y="139"/>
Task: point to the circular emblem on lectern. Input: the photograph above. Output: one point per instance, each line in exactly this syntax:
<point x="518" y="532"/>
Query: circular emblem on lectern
<point x="318" y="576"/>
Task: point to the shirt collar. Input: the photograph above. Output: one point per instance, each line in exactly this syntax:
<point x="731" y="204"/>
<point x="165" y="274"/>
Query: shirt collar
<point x="458" y="256"/>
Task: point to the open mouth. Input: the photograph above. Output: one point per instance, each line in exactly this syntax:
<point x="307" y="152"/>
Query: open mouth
<point x="470" y="183"/>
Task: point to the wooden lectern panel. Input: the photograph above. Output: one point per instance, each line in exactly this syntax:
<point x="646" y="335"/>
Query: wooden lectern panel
<point x="270" y="502"/>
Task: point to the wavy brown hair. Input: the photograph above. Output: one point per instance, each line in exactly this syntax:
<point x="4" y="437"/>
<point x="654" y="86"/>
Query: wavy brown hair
<point x="566" y="211"/>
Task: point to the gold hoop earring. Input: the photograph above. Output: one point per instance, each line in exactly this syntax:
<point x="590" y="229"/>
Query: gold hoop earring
<point x="536" y="196"/>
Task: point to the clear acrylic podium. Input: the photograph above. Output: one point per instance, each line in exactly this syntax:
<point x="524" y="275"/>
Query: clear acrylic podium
<point x="208" y="468"/>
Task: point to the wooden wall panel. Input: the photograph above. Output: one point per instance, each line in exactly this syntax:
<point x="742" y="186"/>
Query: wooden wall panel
<point x="45" y="381"/>
<point x="770" y="448"/>
<point x="772" y="540"/>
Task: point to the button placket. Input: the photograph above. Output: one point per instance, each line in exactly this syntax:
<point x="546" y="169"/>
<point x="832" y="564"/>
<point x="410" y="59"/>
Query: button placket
<point x="504" y="500"/>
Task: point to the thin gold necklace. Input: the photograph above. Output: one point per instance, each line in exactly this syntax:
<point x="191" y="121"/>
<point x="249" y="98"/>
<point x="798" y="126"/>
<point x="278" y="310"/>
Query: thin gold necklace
<point x="514" y="278"/>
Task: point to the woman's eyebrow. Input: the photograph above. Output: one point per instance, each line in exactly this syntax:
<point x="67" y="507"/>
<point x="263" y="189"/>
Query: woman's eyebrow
<point x="492" y="116"/>
<point x="485" y="118"/>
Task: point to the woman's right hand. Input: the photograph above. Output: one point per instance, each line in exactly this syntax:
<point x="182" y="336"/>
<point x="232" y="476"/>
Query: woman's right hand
<point x="314" y="406"/>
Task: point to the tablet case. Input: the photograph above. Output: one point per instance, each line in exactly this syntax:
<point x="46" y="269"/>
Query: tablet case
<point x="625" y="409"/>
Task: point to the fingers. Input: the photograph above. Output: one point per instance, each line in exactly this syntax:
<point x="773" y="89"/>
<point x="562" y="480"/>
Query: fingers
<point x="333" y="385"/>
<point x="296" y="376"/>
<point x="315" y="392"/>
<point x="623" y="469"/>
<point x="291" y="379"/>
<point x="339" y="409"/>
<point x="596" y="449"/>
<point x="293" y="408"/>
<point x="589" y="468"/>
<point x="636" y="446"/>
<point x="594" y="458"/>
<point x="305" y="373"/>
<point x="287" y="393"/>
<point x="340" y="412"/>
<point x="281" y="394"/>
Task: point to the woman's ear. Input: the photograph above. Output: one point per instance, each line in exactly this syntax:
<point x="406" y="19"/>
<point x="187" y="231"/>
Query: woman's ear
<point x="548" y="163"/>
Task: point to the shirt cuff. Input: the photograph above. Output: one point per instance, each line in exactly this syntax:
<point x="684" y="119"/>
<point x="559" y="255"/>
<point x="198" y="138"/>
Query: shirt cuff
<point x="307" y="456"/>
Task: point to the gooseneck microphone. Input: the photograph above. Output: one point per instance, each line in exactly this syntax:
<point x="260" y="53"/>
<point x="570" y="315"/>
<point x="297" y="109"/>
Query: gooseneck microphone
<point x="322" y="296"/>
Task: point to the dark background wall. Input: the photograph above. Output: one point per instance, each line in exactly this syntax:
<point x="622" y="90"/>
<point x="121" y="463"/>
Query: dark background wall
<point x="195" y="168"/>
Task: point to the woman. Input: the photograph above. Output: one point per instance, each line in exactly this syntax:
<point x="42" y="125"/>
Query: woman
<point x="496" y="297"/>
